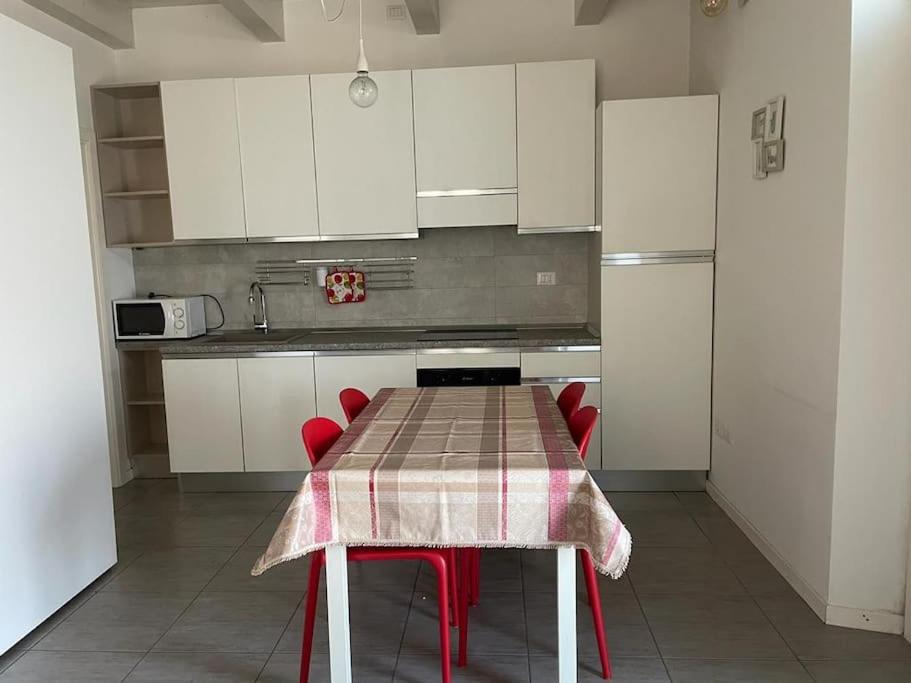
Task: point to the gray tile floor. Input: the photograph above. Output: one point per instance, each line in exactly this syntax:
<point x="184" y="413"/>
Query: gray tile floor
<point x="698" y="604"/>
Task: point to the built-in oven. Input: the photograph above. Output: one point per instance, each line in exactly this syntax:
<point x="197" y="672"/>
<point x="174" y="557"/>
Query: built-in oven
<point x="473" y="367"/>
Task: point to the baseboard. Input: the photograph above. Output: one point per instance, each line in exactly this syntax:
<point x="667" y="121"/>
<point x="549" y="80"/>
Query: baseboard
<point x="816" y="602"/>
<point x="241" y="481"/>
<point x="867" y="620"/>
<point x="649" y="480"/>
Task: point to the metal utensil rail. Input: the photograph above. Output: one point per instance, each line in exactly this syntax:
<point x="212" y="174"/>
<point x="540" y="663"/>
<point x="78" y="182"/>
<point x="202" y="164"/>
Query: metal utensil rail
<point x="383" y="272"/>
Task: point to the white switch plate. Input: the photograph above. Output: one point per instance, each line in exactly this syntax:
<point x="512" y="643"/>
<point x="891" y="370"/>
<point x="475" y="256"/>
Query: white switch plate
<point x="547" y="278"/>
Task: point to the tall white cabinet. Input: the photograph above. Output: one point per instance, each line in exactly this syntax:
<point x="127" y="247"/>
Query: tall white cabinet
<point x="658" y="174"/>
<point x="275" y="129"/>
<point x="656" y="203"/>
<point x="364" y="158"/>
<point x="555" y="107"/>
<point x="465" y="145"/>
<point x="203" y="158"/>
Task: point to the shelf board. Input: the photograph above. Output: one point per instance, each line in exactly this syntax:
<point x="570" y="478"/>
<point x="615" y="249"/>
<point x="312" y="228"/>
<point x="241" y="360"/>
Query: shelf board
<point x="137" y="194"/>
<point x="151" y="450"/>
<point x="124" y="91"/>
<point x="146" y="400"/>
<point x="134" y="142"/>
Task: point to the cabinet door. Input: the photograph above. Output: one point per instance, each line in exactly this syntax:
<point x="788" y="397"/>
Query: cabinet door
<point x="658" y="174"/>
<point x="367" y="373"/>
<point x="465" y="127"/>
<point x="200" y="127"/>
<point x="556" y="369"/>
<point x="276" y="396"/>
<point x="276" y="148"/>
<point x="555" y="107"/>
<point x="465" y="142"/>
<point x="364" y="157"/>
<point x="202" y="403"/>
<point x="656" y="360"/>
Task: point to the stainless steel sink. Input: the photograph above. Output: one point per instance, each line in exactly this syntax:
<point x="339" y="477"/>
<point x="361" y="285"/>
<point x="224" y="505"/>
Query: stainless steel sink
<point x="253" y="338"/>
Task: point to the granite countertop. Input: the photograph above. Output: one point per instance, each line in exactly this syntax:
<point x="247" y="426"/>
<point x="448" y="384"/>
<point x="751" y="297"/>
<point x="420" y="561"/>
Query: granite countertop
<point x="362" y="339"/>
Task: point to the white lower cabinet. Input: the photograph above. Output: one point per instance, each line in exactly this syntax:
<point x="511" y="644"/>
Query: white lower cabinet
<point x="557" y="369"/>
<point x="367" y="373"/>
<point x="202" y="404"/>
<point x="238" y="414"/>
<point x="276" y="397"/>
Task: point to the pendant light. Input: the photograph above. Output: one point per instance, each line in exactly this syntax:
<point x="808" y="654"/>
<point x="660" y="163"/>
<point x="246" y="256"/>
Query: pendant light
<point x="712" y="8"/>
<point x="363" y="90"/>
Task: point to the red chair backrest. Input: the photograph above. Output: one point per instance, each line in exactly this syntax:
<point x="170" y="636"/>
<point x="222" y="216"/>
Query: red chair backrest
<point x="353" y="402"/>
<point x="581" y="424"/>
<point x="570" y="399"/>
<point x="319" y="433"/>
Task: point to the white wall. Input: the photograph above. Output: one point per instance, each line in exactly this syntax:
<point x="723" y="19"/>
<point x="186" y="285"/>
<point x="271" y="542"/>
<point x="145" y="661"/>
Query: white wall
<point x="55" y="488"/>
<point x="779" y="263"/>
<point x="872" y="499"/>
<point x="93" y="62"/>
<point x="641" y="47"/>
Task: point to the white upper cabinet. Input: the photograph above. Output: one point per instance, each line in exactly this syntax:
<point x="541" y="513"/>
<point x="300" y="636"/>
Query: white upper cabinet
<point x="364" y="157"/>
<point x="276" y="147"/>
<point x="556" y="145"/>
<point x="658" y="168"/>
<point x="203" y="157"/>
<point x="465" y="145"/>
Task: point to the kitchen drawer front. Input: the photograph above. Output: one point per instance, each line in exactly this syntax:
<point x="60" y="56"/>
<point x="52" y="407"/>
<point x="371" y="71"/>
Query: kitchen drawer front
<point x="485" y="209"/>
<point x="499" y="359"/>
<point x="570" y="365"/>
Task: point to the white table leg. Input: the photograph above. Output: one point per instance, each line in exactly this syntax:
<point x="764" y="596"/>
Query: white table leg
<point x="566" y="614"/>
<point x="337" y="602"/>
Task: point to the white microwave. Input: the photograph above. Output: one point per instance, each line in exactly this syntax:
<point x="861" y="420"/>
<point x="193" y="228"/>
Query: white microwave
<point x="159" y="318"/>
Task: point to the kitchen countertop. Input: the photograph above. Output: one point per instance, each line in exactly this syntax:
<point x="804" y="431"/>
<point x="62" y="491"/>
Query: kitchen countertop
<point x="366" y="339"/>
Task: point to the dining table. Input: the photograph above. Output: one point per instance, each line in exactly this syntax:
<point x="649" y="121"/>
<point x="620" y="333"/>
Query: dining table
<point x="452" y="467"/>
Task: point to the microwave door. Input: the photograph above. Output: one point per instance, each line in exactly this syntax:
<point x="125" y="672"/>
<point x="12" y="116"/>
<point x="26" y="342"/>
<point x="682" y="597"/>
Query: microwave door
<point x="141" y="320"/>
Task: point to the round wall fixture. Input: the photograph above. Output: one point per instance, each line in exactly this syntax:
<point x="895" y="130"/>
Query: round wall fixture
<point x="712" y="8"/>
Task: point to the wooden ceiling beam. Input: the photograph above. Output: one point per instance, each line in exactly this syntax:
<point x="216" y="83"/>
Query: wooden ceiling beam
<point x="425" y="15"/>
<point x="107" y="21"/>
<point x="590" y="12"/>
<point x="265" y="19"/>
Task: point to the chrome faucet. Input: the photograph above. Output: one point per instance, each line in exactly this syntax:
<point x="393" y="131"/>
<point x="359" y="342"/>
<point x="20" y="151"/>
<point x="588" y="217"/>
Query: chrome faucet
<point x="262" y="325"/>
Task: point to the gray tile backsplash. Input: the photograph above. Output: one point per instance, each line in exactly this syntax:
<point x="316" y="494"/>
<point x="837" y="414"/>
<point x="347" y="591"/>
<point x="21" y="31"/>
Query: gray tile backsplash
<point x="462" y="276"/>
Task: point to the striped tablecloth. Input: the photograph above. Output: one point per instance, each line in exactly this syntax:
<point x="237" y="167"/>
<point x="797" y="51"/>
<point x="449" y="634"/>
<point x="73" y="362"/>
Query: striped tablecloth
<point x="491" y="467"/>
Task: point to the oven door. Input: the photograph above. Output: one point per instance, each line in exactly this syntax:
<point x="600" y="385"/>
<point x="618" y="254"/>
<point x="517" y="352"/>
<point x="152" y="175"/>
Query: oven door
<point x="142" y="320"/>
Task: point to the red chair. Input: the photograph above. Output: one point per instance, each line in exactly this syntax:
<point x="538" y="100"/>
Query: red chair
<point x="570" y="399"/>
<point x="353" y="402"/>
<point x="319" y="434"/>
<point x="581" y="424"/>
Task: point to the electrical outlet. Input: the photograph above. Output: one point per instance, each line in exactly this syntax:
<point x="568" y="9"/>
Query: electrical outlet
<point x="395" y="13"/>
<point x="723" y="433"/>
<point x="547" y="278"/>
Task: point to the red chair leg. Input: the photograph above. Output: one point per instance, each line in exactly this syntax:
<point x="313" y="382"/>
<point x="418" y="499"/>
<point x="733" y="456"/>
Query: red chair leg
<point x="594" y="599"/>
<point x="441" y="567"/>
<point x="454" y="587"/>
<point x="316" y="564"/>
<point x="466" y="558"/>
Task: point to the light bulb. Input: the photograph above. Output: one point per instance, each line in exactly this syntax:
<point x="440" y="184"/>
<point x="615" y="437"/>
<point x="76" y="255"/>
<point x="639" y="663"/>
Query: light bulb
<point x="712" y="8"/>
<point x="363" y="90"/>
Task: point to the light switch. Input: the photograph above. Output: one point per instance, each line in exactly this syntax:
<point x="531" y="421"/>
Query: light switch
<point x="547" y="278"/>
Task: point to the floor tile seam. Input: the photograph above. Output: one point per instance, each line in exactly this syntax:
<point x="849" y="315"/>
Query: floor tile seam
<point x="414" y="588"/>
<point x="277" y="641"/>
<point x="648" y="625"/>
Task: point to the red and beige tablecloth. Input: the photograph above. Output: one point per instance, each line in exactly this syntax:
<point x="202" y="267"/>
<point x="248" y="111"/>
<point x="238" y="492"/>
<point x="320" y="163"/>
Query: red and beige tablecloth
<point x="491" y="467"/>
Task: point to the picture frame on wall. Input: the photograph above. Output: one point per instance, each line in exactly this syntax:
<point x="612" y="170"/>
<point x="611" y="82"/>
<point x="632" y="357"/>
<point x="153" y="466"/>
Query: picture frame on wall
<point x="774" y="119"/>
<point x="773" y="156"/>
<point x="759" y="171"/>
<point x="758" y="128"/>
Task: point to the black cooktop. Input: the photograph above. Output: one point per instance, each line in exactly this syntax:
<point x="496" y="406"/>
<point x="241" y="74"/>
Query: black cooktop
<point x="469" y="334"/>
